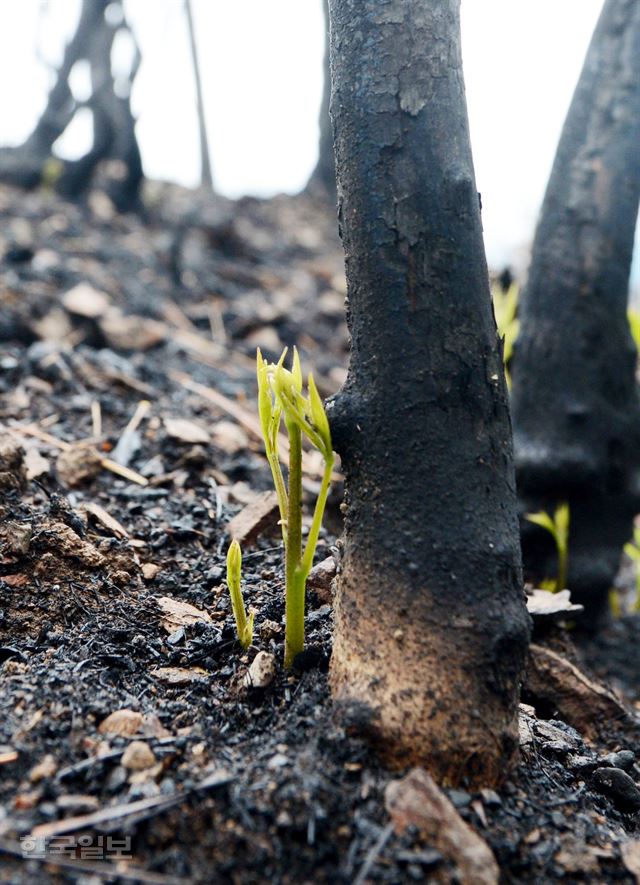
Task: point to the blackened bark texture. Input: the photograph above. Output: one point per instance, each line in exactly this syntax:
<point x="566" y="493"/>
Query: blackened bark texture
<point x="206" y="175"/>
<point x="323" y="177"/>
<point x="575" y="402"/>
<point x="431" y="626"/>
<point x="114" y="127"/>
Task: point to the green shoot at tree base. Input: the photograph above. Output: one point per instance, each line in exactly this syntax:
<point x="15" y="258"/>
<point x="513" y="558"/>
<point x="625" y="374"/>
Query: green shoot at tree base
<point x="280" y="396"/>
<point x="244" y="625"/>
<point x="505" y="309"/>
<point x="632" y="549"/>
<point x="558" y="527"/>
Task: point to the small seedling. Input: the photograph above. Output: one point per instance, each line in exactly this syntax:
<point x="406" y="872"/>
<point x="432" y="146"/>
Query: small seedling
<point x="632" y="549"/>
<point x="558" y="527"/>
<point x="280" y="397"/>
<point x="244" y="625"/>
<point x="505" y="308"/>
<point x="633" y="316"/>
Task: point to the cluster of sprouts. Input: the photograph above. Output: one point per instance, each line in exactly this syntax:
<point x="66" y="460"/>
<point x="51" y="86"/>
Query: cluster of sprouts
<point x="282" y="399"/>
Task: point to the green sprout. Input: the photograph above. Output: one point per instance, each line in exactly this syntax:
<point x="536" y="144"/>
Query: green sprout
<point x="558" y="527"/>
<point x="505" y="308"/>
<point x="244" y="625"/>
<point x="280" y="396"/>
<point x="633" y="316"/>
<point x="632" y="549"/>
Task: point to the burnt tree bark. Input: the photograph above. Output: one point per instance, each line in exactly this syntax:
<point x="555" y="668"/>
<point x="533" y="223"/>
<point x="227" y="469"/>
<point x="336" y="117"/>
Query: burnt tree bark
<point x="206" y="175"/>
<point x="430" y="620"/>
<point x="323" y="177"/>
<point x="576" y="410"/>
<point x="114" y="126"/>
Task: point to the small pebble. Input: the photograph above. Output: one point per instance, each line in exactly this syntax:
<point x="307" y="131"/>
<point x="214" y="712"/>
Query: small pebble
<point x="138" y="756"/>
<point x="117" y="777"/>
<point x="277" y="761"/>
<point x="459" y="798"/>
<point x="262" y="671"/>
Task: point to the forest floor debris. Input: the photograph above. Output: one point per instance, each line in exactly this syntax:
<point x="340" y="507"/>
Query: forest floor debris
<point x="130" y="712"/>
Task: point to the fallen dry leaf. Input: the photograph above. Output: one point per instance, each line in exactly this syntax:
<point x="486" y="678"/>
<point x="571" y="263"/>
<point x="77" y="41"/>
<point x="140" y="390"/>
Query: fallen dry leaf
<point x="178" y="614"/>
<point x="587" y="705"/>
<point x="19" y="580"/>
<point x="130" y="332"/>
<point x="262" y="513"/>
<point x="178" y="675"/>
<point x="105" y="519"/>
<point x="123" y="722"/>
<point x="186" y="431"/>
<point x="229" y="437"/>
<point x="543" y="603"/>
<point x="35" y="464"/>
<point x="416" y="800"/>
<point x="85" y="301"/>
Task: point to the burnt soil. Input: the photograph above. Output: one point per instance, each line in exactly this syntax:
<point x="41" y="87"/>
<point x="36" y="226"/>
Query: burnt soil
<point x="247" y="785"/>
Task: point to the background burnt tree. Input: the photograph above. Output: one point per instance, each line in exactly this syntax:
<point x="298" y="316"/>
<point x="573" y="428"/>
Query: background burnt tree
<point x="323" y="177"/>
<point x="430" y="620"/>
<point x="206" y="175"/>
<point x="575" y="401"/>
<point x="109" y="102"/>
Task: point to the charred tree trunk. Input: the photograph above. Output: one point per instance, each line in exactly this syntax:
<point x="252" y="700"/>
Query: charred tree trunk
<point x="575" y="400"/>
<point x="431" y="626"/>
<point x="61" y="106"/>
<point x="323" y="177"/>
<point x="114" y="127"/>
<point x="206" y="175"/>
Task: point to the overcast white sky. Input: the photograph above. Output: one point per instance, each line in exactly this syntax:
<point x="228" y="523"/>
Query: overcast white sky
<point x="262" y="72"/>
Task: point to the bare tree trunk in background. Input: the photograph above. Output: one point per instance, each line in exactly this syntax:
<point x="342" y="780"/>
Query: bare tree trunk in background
<point x="323" y="177"/>
<point x="114" y="127"/>
<point x="430" y="621"/>
<point x="61" y="106"/>
<point x="206" y="176"/>
<point x="575" y="401"/>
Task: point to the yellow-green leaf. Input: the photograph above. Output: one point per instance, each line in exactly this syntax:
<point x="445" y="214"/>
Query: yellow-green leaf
<point x="542" y="519"/>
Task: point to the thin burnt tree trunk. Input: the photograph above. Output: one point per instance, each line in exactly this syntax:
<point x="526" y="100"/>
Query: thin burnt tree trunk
<point x="206" y="175"/>
<point x="431" y="627"/>
<point x="323" y="177"/>
<point x="575" y="400"/>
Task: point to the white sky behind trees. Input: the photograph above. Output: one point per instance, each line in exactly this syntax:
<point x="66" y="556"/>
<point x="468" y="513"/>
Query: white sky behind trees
<point x="262" y="79"/>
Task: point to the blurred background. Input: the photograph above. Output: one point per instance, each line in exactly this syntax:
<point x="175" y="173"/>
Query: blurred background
<point x="262" y="83"/>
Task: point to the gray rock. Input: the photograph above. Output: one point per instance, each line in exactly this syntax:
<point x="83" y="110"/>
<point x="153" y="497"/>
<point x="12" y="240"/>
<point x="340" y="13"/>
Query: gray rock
<point x="623" y="759"/>
<point x="619" y="787"/>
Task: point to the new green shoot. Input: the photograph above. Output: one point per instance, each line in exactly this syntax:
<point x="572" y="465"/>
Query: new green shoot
<point x="633" y="316"/>
<point x="244" y="625"/>
<point x="558" y="527"/>
<point x="632" y="549"/>
<point x="505" y="308"/>
<point x="281" y="398"/>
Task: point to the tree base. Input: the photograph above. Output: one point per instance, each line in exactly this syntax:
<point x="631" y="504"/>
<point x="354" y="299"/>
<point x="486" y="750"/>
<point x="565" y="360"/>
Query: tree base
<point x="416" y="695"/>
